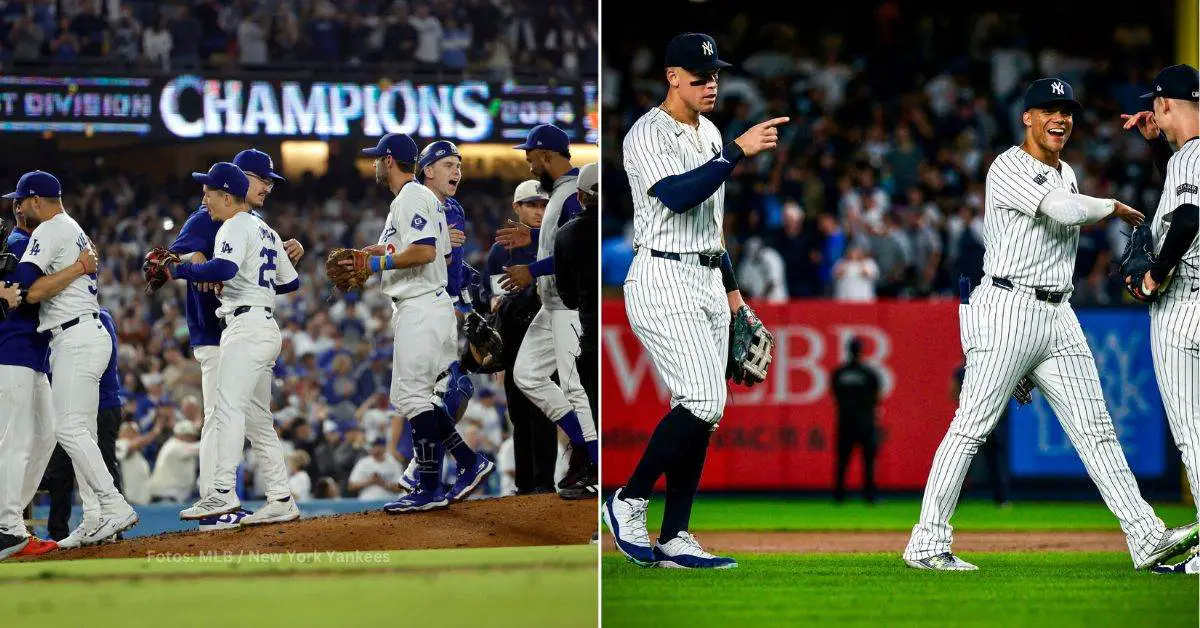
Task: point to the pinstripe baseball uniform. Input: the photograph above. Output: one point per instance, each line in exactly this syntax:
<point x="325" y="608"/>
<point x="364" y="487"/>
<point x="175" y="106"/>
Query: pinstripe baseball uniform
<point x="1019" y="323"/>
<point x="1175" y="318"/>
<point x="674" y="296"/>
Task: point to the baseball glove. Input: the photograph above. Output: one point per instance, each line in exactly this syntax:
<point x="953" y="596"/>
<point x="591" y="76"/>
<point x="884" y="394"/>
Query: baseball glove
<point x="482" y="336"/>
<point x="347" y="278"/>
<point x="1024" y="391"/>
<point x="157" y="267"/>
<point x="1136" y="261"/>
<point x="750" y="348"/>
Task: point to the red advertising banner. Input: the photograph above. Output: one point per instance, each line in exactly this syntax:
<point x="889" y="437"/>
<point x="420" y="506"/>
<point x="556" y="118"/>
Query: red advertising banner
<point x="780" y="435"/>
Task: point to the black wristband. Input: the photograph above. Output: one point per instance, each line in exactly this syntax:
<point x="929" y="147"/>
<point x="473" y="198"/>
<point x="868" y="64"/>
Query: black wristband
<point x="733" y="152"/>
<point x="727" y="276"/>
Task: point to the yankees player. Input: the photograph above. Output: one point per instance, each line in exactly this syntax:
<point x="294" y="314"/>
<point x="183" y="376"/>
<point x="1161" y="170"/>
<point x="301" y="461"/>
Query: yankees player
<point x="411" y="255"/>
<point x="680" y="293"/>
<point x="79" y="347"/>
<point x="1019" y="323"/>
<point x="250" y="262"/>
<point x="439" y="168"/>
<point x="198" y="235"/>
<point x="552" y="341"/>
<point x="27" y="417"/>
<point x="1175" y="316"/>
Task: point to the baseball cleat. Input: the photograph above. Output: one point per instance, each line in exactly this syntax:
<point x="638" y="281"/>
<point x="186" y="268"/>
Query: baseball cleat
<point x="217" y="503"/>
<point x="684" y="552"/>
<point x="111" y="525"/>
<point x="281" y="511"/>
<point x="76" y="537"/>
<point x="585" y="487"/>
<point x="470" y="479"/>
<point x="1188" y="566"/>
<point x="11" y="544"/>
<point x="942" y="562"/>
<point x="419" y="500"/>
<point x="224" y="522"/>
<point x="1175" y="542"/>
<point x="37" y="547"/>
<point x="626" y="519"/>
<point x="409" y="480"/>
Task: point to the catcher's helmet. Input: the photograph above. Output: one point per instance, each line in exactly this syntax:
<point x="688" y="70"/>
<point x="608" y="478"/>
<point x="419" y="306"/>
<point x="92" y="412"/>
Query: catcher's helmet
<point x="433" y="153"/>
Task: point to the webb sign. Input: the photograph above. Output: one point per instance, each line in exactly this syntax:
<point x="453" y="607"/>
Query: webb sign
<point x="191" y="107"/>
<point x="780" y="435"/>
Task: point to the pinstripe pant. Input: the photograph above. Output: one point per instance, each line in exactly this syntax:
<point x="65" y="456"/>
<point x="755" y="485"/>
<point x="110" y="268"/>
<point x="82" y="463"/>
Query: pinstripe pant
<point x="679" y="312"/>
<point x="1007" y="334"/>
<point x="1175" y="345"/>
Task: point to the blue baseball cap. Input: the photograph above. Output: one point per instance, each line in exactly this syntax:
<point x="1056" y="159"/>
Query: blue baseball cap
<point x="1049" y="91"/>
<point x="1177" y="82"/>
<point x="399" y="146"/>
<point x="37" y="183"/>
<point x="694" y="52"/>
<point x="226" y="177"/>
<point x="258" y="163"/>
<point x="547" y="137"/>
<point x="433" y="153"/>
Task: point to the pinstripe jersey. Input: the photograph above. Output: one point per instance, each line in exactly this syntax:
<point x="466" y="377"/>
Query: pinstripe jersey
<point x="1180" y="188"/>
<point x="656" y="147"/>
<point x="1020" y="244"/>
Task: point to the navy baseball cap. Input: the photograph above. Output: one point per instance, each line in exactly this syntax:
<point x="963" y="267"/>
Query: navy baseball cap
<point x="399" y="146"/>
<point x="258" y="163"/>
<point x="694" y="52"/>
<point x="37" y="183"/>
<point x="547" y="137"/>
<point x="1178" y="82"/>
<point x="1048" y="91"/>
<point x="433" y="153"/>
<point x="226" y="177"/>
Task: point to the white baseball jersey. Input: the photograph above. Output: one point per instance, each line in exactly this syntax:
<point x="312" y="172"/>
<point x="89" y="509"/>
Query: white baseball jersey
<point x="656" y="147"/>
<point x="262" y="263"/>
<point x="53" y="246"/>
<point x="415" y="216"/>
<point x="1181" y="187"/>
<point x="564" y="188"/>
<point x="1021" y="245"/>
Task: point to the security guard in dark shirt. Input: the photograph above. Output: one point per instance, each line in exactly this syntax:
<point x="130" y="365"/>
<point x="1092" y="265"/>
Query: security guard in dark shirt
<point x="856" y="392"/>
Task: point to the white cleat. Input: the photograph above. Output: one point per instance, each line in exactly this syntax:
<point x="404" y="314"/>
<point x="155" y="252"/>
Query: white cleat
<point x="274" y="512"/>
<point x="112" y="525"/>
<point x="942" y="562"/>
<point x="77" y="536"/>
<point x="216" y="503"/>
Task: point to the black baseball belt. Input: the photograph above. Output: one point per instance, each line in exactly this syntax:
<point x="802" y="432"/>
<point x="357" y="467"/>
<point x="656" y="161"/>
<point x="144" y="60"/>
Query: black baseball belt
<point x="1038" y="293"/>
<point x="710" y="261"/>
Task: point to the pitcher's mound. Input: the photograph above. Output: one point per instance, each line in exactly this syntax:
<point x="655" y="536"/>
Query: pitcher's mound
<point x="504" y="522"/>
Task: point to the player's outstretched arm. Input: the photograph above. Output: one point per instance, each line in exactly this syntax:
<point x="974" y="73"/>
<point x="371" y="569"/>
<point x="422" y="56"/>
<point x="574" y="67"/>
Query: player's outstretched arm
<point x="416" y="254"/>
<point x="42" y="287"/>
<point x="1073" y="209"/>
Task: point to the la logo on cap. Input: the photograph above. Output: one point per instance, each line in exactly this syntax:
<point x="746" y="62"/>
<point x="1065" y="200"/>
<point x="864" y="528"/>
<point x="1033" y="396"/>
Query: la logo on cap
<point x="1057" y="88"/>
<point x="707" y="49"/>
<point x="225" y="186"/>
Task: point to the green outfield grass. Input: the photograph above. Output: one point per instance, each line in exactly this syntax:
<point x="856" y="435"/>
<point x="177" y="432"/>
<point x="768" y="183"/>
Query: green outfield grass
<point x="528" y="586"/>
<point x="763" y="514"/>
<point x="1012" y="589"/>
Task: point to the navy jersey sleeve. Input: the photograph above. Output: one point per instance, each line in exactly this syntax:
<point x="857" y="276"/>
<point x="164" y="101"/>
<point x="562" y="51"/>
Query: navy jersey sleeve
<point x="198" y="234"/>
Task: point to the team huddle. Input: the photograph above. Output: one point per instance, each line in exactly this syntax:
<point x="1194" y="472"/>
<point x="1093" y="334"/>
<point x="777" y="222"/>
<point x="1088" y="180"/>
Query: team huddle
<point x="234" y="265"/>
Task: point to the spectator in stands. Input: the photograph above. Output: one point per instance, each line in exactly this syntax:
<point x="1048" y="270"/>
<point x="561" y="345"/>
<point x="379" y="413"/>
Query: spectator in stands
<point x="91" y="31"/>
<point x="376" y="477"/>
<point x="483" y="412"/>
<point x="323" y="33"/>
<point x="26" y="38"/>
<point x="65" y="47"/>
<point x="855" y="276"/>
<point x="429" y="38"/>
<point x="176" y="467"/>
<point x="285" y="33"/>
<point x="799" y="245"/>
<point x="252" y="41"/>
<point x="126" y="35"/>
<point x="456" y="42"/>
<point x="186" y="33"/>
<point x="506" y="464"/>
<point x="135" y="471"/>
<point x="375" y="416"/>
<point x="298" y="480"/>
<point x="400" y="35"/>
<point x="761" y="272"/>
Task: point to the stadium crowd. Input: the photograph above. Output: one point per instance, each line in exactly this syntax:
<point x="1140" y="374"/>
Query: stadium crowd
<point x="488" y="38"/>
<point x="877" y="189"/>
<point x="334" y="370"/>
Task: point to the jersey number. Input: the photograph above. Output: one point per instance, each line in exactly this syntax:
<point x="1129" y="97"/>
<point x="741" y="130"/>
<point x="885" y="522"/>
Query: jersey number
<point x="268" y="266"/>
<point x="92" y="287"/>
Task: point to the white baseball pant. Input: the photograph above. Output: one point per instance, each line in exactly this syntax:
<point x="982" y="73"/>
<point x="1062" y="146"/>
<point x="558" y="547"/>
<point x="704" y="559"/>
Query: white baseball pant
<point x="551" y="344"/>
<point x="1007" y="334"/>
<point x="425" y="343"/>
<point x="26" y="441"/>
<point x="1175" y="346"/>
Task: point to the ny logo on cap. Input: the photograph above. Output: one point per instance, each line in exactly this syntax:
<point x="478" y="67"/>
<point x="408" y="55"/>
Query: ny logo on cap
<point x="707" y="49"/>
<point x="1057" y="87"/>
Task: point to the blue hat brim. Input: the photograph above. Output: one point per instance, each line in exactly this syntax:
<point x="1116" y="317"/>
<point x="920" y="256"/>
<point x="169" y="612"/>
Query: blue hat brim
<point x="276" y="176"/>
<point x="1148" y="96"/>
<point x="13" y="195"/>
<point x="1075" y="104"/>
<point x="202" y="177"/>
<point x="374" y="151"/>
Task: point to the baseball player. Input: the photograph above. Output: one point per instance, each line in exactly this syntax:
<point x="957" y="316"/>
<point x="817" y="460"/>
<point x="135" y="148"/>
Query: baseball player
<point x="1175" y="315"/>
<point x="79" y="348"/>
<point x="27" y="416"/>
<point x="680" y="293"/>
<point x="411" y="255"/>
<point x="439" y="168"/>
<point x="198" y="235"/>
<point x="1018" y="323"/>
<point x="251" y="263"/>
<point x="552" y="341"/>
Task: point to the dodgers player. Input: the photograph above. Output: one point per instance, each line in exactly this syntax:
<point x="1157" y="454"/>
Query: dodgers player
<point x="411" y="255"/>
<point x="1175" y="317"/>
<point x="1018" y="323"/>
<point x="552" y="341"/>
<point x="250" y="261"/>
<point x="79" y="347"/>
<point x="198" y="235"/>
<point x="680" y="293"/>
<point x="27" y="416"/>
